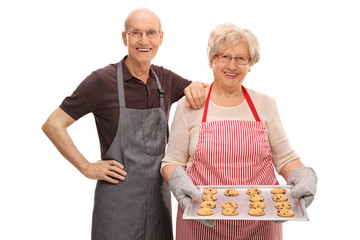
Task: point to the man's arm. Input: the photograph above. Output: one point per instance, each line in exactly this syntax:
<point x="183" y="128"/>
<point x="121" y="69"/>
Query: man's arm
<point x="55" y="129"/>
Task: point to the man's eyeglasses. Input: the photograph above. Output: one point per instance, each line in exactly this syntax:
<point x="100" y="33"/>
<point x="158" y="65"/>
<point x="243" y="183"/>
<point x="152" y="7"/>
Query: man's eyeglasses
<point x="238" y="60"/>
<point x="138" y="34"/>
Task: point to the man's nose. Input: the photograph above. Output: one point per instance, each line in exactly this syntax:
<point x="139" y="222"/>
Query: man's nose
<point x="144" y="38"/>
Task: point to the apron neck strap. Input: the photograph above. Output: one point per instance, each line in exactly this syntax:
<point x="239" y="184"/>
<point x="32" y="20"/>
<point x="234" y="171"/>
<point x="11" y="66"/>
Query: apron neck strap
<point x="160" y="90"/>
<point x="121" y="91"/>
<point x="247" y="97"/>
<point x="207" y="104"/>
<point x="251" y="104"/>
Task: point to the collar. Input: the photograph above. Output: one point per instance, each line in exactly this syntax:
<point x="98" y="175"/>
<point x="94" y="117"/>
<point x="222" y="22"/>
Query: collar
<point x="127" y="76"/>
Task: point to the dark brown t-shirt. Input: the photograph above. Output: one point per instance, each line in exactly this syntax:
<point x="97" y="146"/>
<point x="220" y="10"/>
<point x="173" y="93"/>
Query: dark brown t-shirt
<point x="98" y="94"/>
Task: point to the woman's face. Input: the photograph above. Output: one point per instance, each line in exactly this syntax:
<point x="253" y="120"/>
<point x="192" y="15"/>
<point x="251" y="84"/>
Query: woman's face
<point x="231" y="75"/>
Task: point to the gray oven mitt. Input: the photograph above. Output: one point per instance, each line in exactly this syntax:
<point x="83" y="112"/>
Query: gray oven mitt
<point x="183" y="188"/>
<point x="304" y="185"/>
<point x="304" y="181"/>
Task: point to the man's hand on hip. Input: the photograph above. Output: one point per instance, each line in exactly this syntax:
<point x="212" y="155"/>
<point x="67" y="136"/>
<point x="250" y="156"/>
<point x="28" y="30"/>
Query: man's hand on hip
<point x="108" y="170"/>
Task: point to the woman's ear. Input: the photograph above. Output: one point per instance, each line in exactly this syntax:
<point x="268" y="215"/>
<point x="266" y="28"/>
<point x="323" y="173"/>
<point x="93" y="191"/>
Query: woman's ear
<point x="211" y="63"/>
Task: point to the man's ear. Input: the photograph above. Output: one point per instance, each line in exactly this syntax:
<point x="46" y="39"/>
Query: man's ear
<point x="124" y="37"/>
<point x="161" y="37"/>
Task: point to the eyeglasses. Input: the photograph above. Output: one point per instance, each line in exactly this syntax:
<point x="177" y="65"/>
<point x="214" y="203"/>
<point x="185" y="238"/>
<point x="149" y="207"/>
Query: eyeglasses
<point x="138" y="34"/>
<point x="238" y="60"/>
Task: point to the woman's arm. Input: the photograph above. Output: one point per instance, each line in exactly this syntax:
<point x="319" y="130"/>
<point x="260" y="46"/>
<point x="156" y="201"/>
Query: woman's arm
<point x="167" y="170"/>
<point x="289" y="167"/>
<point x="177" y="152"/>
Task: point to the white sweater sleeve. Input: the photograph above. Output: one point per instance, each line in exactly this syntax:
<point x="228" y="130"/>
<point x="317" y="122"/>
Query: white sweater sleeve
<point x="177" y="151"/>
<point x="281" y="151"/>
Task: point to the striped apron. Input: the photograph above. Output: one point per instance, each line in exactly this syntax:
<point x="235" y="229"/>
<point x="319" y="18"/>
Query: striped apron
<point x="231" y="152"/>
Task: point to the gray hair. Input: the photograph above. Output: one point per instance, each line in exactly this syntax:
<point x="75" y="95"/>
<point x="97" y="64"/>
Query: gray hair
<point x="229" y="34"/>
<point x="138" y="10"/>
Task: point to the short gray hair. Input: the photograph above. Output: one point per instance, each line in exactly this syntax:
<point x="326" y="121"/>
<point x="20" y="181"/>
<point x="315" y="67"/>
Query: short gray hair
<point x="138" y="10"/>
<point x="229" y="34"/>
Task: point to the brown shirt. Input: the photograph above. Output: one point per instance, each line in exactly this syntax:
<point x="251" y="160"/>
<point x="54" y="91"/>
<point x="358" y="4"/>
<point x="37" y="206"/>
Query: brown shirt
<point x="98" y="94"/>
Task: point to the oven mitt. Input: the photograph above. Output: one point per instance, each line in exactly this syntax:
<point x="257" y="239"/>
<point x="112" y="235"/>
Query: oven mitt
<point x="183" y="188"/>
<point x="304" y="181"/>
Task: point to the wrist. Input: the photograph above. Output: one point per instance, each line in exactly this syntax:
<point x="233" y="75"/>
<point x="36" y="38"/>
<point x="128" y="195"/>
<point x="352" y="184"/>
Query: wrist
<point x="83" y="166"/>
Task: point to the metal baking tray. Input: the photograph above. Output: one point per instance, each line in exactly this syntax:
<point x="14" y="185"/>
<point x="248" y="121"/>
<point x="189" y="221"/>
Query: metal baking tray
<point x="243" y="205"/>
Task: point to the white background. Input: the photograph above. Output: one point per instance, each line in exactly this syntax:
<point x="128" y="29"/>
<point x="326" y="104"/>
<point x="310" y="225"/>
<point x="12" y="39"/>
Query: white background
<point x="309" y="56"/>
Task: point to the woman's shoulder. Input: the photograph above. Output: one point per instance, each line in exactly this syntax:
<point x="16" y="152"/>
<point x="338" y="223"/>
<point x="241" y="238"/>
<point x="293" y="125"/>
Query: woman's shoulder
<point x="260" y="98"/>
<point x="189" y="112"/>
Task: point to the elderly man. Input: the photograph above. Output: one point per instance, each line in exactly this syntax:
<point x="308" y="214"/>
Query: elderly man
<point x="130" y="101"/>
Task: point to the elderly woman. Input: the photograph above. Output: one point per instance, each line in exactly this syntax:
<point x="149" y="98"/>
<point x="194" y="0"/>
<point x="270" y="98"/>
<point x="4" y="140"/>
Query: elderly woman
<point x="237" y="139"/>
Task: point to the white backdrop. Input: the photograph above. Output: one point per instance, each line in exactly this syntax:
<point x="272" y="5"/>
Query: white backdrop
<point x="309" y="56"/>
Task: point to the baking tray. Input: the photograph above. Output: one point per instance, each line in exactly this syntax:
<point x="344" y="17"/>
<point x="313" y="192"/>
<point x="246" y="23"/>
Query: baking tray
<point x="242" y="199"/>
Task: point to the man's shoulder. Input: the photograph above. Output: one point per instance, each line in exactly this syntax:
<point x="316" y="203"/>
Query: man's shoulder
<point x="160" y="69"/>
<point x="107" y="70"/>
<point x="170" y="76"/>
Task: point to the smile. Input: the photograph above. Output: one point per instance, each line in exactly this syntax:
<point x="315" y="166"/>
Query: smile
<point x="231" y="75"/>
<point x="143" y="49"/>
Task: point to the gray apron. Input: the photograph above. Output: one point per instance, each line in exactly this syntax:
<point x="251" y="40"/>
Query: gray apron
<point x="139" y="207"/>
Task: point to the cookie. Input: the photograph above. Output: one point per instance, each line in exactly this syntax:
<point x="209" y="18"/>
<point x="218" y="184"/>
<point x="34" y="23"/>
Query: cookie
<point x="229" y="212"/>
<point x="252" y="191"/>
<point x="205" y="211"/>
<point x="231" y="192"/>
<point x="256" y="212"/>
<point x="208" y="204"/>
<point x="230" y="205"/>
<point x="283" y="205"/>
<point x="257" y="205"/>
<point x="285" y="213"/>
<point x="278" y="190"/>
<point x="209" y="197"/>
<point x="256" y="198"/>
<point x="280" y="198"/>
<point x="210" y="190"/>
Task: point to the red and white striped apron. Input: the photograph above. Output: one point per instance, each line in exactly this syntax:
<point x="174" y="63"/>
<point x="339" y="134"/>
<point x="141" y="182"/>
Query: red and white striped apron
<point x="231" y="152"/>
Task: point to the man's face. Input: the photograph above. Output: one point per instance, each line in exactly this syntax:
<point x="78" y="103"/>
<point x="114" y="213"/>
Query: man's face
<point x="141" y="47"/>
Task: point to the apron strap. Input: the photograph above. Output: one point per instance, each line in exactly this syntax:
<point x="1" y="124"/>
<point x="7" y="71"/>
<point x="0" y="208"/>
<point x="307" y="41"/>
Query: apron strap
<point x="251" y="104"/>
<point x="120" y="83"/>
<point x="247" y="97"/>
<point x="121" y="94"/>
<point x="160" y="90"/>
<point x="121" y="87"/>
<point x="207" y="104"/>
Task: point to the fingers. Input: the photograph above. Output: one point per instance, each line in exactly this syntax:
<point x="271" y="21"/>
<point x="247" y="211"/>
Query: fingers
<point x="189" y="99"/>
<point x="195" y="94"/>
<point x="208" y="222"/>
<point x="196" y="98"/>
<point x="183" y="202"/>
<point x="115" y="163"/>
<point x="194" y="194"/>
<point x="280" y="222"/>
<point x="110" y="180"/>
<point x="117" y="173"/>
<point x="115" y="170"/>
<point x="109" y="170"/>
